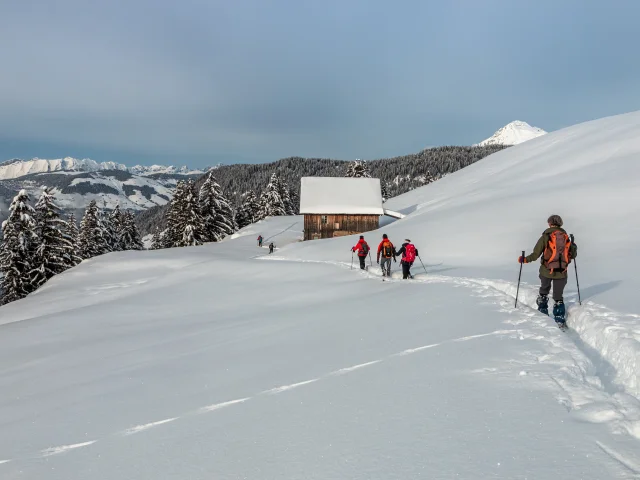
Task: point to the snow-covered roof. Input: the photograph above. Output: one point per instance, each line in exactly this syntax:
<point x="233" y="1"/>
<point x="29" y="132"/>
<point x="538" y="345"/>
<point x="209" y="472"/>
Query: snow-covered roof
<point x="340" y="195"/>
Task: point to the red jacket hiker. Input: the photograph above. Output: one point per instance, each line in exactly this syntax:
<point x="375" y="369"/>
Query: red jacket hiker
<point x="362" y="248"/>
<point x="391" y="249"/>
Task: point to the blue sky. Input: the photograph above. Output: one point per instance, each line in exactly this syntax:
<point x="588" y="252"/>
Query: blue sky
<point x="199" y="82"/>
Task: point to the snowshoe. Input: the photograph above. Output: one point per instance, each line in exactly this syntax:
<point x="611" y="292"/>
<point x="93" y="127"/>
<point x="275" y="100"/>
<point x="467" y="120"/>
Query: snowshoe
<point x="559" y="312"/>
<point x="562" y="326"/>
<point x="543" y="304"/>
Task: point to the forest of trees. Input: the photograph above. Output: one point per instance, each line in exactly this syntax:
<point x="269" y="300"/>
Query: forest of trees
<point x="36" y="243"/>
<point x="397" y="175"/>
<point x="200" y="214"/>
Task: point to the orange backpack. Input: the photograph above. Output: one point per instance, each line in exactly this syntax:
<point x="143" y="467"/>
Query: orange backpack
<point x="556" y="254"/>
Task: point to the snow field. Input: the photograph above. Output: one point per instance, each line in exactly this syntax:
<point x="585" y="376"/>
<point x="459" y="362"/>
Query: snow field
<point x="223" y="361"/>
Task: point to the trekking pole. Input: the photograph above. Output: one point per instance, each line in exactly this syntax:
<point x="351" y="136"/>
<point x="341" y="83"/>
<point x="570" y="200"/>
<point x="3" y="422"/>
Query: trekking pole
<point x="519" y="276"/>
<point x="370" y="261"/>
<point x="425" y="268"/>
<point x="351" y="259"/>
<point x="575" y="264"/>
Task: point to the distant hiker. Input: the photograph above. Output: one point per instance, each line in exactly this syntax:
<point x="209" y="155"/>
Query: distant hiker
<point x="409" y="253"/>
<point x="260" y="240"/>
<point x="271" y="247"/>
<point x="387" y="251"/>
<point x="362" y="248"/>
<point x="557" y="251"/>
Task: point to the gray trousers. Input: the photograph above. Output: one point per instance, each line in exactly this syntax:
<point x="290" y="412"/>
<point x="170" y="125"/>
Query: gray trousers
<point x="558" y="287"/>
<point x="385" y="263"/>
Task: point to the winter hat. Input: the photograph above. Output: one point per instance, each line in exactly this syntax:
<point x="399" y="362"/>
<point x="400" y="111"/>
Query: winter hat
<point x="407" y="240"/>
<point x="384" y="235"/>
<point x="361" y="237"/>
<point x="555" y="220"/>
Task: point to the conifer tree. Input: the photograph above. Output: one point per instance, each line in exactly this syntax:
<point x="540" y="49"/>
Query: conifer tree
<point x="248" y="212"/>
<point x="384" y="190"/>
<point x="71" y="230"/>
<point x="114" y="225"/>
<point x="18" y="246"/>
<point x="92" y="239"/>
<point x="272" y="203"/>
<point x="215" y="210"/>
<point x="56" y="249"/>
<point x="283" y="190"/>
<point x="157" y="242"/>
<point x="295" y="201"/>
<point x="129" y="234"/>
<point x="357" y="169"/>
<point x="185" y="224"/>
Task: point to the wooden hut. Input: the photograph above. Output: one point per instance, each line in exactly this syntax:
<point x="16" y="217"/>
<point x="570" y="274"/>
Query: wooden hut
<point x="338" y="206"/>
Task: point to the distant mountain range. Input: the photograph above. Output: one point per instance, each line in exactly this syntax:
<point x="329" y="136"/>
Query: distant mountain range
<point x="512" y="134"/>
<point x="17" y="168"/>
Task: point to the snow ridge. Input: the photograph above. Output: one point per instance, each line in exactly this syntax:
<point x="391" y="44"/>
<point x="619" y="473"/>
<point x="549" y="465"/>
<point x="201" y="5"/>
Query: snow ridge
<point x="512" y="134"/>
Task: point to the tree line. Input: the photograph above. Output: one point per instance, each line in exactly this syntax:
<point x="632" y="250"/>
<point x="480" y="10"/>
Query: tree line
<point x="38" y="244"/>
<point x="397" y="175"/>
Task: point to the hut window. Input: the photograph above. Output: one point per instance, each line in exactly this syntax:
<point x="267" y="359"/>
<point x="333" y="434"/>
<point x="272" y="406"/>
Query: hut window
<point x="336" y="226"/>
<point x="323" y="219"/>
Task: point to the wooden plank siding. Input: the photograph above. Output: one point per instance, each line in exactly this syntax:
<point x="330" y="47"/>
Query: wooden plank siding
<point x="316" y="227"/>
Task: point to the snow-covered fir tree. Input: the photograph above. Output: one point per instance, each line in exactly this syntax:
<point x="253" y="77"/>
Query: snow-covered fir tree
<point x="157" y="240"/>
<point x="113" y="225"/>
<point x="357" y="169"/>
<point x="216" y="211"/>
<point x="71" y="230"/>
<point x="248" y="212"/>
<point x="272" y="202"/>
<point x="129" y="234"/>
<point x="295" y="201"/>
<point x="184" y="223"/>
<point x="56" y="249"/>
<point x="92" y="240"/>
<point x="17" y="249"/>
<point x="283" y="190"/>
<point x="384" y="189"/>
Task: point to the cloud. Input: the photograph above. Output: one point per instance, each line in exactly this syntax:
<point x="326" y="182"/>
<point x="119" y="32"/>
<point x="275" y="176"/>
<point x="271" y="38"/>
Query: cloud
<point x="252" y="79"/>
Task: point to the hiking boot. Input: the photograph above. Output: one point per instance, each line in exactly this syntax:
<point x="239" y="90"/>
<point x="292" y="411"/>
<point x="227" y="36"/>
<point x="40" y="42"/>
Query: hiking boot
<point x="559" y="312"/>
<point x="543" y="304"/>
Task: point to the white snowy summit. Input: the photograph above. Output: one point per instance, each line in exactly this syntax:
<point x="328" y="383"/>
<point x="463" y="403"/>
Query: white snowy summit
<point x="513" y="134"/>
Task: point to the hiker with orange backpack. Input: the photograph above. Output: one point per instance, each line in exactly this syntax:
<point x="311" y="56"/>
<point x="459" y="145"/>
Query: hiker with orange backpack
<point x="409" y="253"/>
<point x="557" y="250"/>
<point x="388" y="252"/>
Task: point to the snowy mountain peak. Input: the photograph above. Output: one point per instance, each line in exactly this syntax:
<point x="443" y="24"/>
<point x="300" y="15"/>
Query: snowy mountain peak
<point x="17" y="168"/>
<point x="512" y="134"/>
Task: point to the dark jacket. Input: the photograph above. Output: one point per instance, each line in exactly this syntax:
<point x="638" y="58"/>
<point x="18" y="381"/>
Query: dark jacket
<point x="403" y="249"/>
<point x="538" y="250"/>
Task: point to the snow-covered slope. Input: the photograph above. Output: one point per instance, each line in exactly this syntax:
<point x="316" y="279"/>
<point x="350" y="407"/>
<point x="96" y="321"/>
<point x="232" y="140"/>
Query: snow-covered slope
<point x="223" y="361"/>
<point x="18" y="168"/>
<point x="513" y="133"/>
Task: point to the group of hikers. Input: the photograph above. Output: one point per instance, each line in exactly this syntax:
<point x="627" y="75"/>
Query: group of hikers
<point x="271" y="245"/>
<point x="555" y="248"/>
<point x="386" y="252"/>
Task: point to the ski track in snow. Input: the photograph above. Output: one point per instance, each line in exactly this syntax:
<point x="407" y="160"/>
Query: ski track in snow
<point x="272" y="391"/>
<point x="146" y="426"/>
<point x="47" y="452"/>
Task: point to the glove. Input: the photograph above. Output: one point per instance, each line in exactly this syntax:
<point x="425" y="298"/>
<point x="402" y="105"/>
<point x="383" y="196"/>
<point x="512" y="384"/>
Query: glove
<point x="353" y="249"/>
<point x="522" y="259"/>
